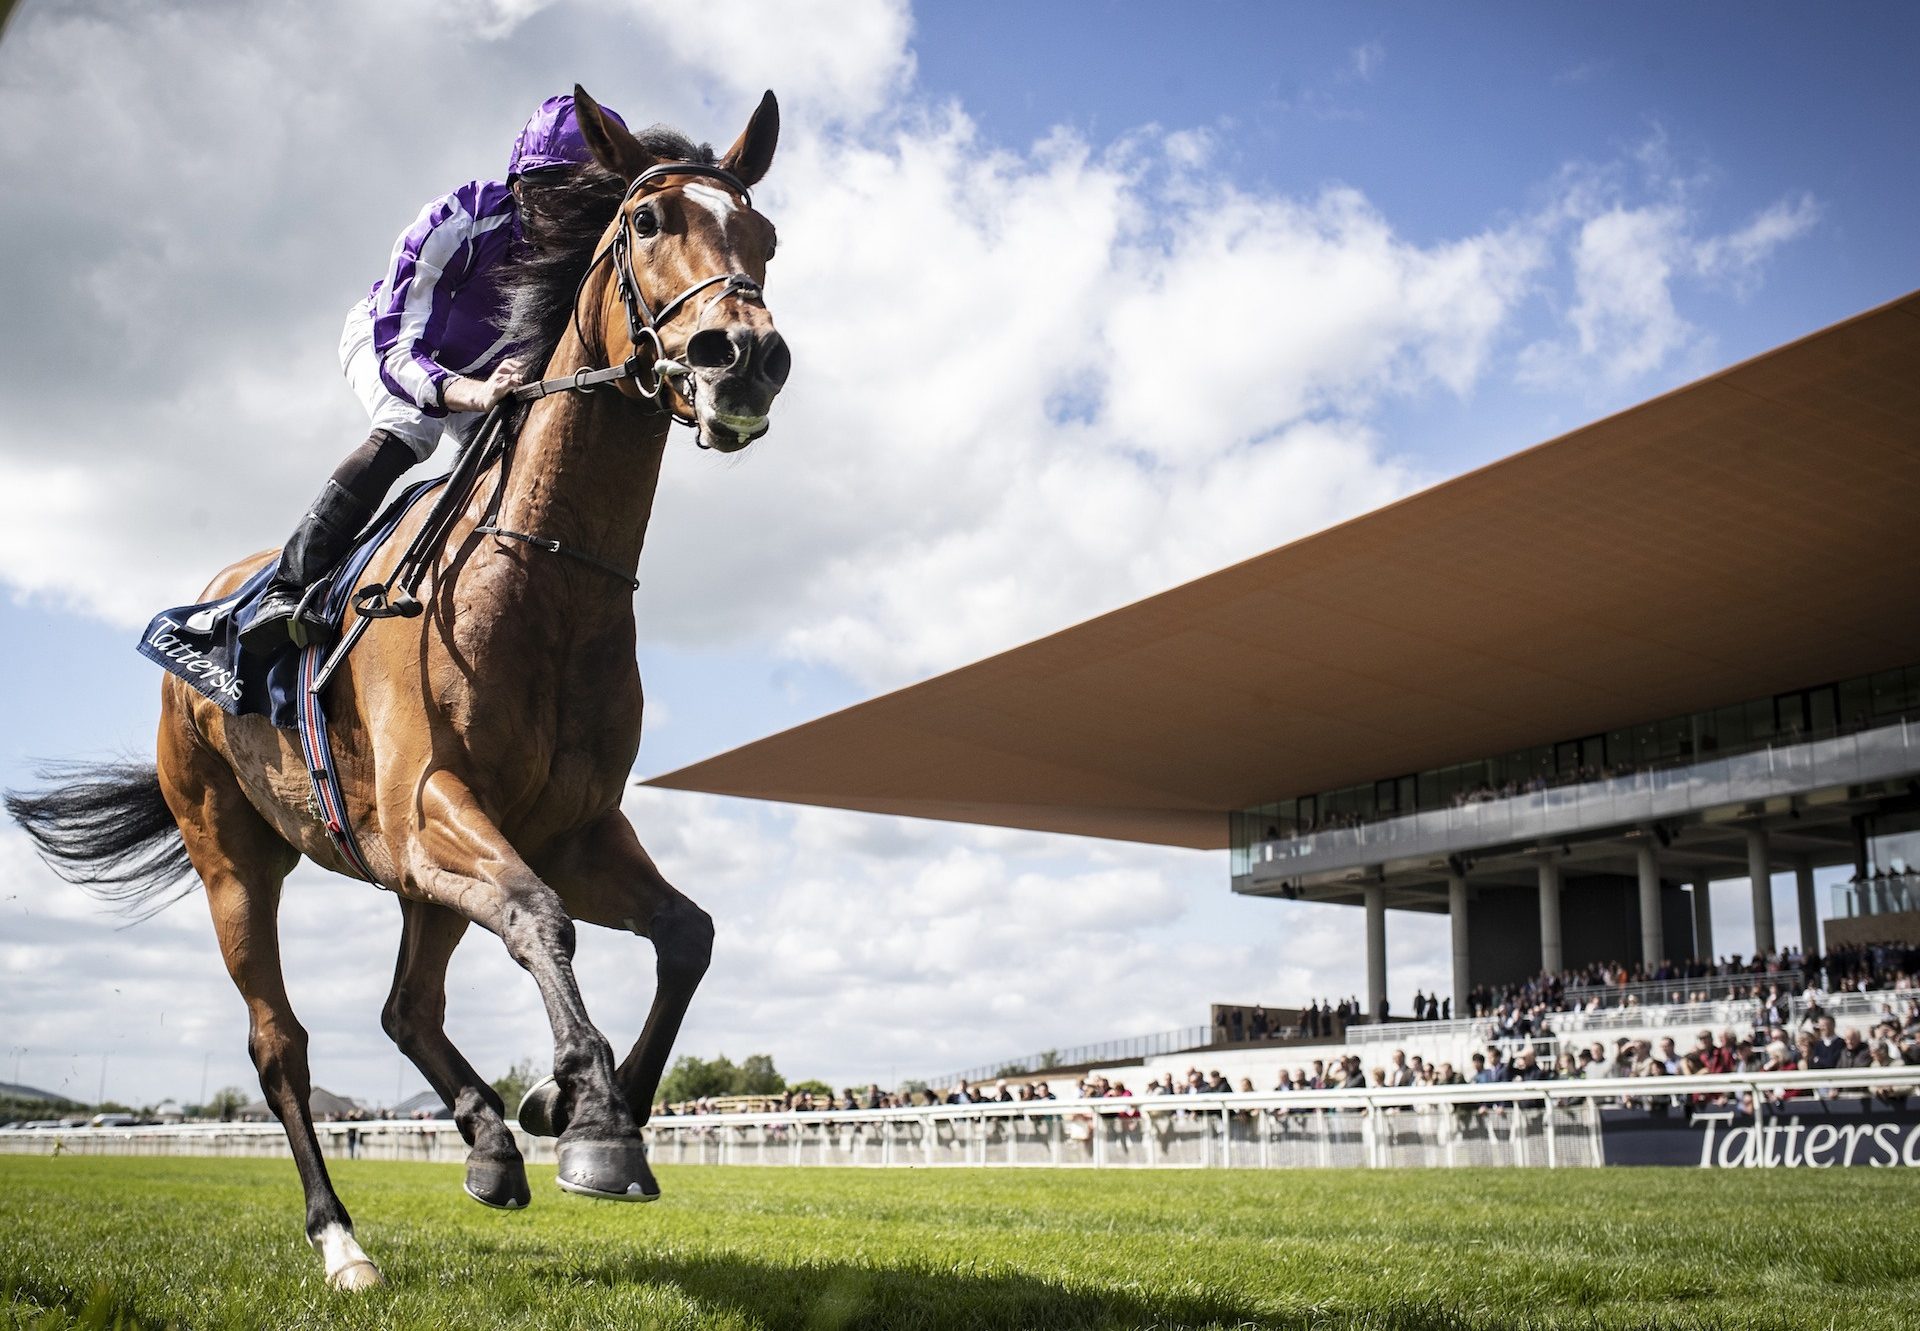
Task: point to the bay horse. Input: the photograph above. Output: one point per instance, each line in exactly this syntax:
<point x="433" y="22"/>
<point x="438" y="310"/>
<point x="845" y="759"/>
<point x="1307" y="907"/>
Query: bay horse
<point x="483" y="745"/>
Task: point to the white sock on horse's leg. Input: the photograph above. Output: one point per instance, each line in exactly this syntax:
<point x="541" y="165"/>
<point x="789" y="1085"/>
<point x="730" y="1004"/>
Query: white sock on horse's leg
<point x="347" y="1266"/>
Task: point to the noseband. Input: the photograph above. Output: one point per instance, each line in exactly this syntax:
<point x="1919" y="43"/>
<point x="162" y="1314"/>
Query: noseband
<point x="649" y="372"/>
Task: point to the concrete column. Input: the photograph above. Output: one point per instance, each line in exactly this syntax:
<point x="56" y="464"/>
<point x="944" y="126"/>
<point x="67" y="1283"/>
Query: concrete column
<point x="1809" y="909"/>
<point x="1457" y="914"/>
<point x="1760" y="875"/>
<point x="1653" y="934"/>
<point x="1549" y="913"/>
<point x="1376" y="949"/>
<point x="1702" y="919"/>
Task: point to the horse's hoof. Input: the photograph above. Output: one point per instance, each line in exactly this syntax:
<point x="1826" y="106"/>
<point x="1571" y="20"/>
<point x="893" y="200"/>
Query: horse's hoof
<point x="362" y="1274"/>
<point x="501" y="1184"/>
<point x="347" y="1266"/>
<point x="540" y="1112"/>
<point x="614" y="1170"/>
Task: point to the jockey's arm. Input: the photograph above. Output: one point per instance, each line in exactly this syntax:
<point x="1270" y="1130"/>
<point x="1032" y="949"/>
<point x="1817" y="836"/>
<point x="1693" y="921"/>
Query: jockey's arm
<point x="430" y="262"/>
<point x="460" y="393"/>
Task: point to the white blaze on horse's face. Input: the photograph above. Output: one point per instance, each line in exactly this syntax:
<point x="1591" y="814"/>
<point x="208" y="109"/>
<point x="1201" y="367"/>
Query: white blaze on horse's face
<point x="714" y="199"/>
<point x="739" y="360"/>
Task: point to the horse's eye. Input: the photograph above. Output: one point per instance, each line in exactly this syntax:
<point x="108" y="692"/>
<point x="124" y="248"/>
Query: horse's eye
<point x="644" y="222"/>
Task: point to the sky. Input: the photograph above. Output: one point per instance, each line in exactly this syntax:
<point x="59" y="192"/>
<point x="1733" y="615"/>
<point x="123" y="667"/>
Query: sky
<point x="1070" y="288"/>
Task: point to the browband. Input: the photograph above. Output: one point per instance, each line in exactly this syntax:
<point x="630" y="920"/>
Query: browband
<point x="665" y="169"/>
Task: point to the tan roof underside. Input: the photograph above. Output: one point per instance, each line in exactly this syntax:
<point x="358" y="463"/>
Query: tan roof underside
<point x="1753" y="532"/>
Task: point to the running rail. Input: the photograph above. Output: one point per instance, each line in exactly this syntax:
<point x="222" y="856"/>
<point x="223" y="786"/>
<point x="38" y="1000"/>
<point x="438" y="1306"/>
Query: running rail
<point x="1552" y="1124"/>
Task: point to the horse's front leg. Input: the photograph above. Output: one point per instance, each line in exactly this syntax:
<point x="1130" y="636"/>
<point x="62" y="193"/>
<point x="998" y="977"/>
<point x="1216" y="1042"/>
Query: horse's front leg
<point x="607" y="878"/>
<point x="462" y="861"/>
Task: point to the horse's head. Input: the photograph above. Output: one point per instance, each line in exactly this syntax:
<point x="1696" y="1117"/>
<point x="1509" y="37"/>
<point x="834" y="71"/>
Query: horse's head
<point x="691" y="252"/>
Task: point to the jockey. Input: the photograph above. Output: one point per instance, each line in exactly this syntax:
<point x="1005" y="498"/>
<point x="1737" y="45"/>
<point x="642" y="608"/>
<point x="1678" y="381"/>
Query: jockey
<point x="424" y="354"/>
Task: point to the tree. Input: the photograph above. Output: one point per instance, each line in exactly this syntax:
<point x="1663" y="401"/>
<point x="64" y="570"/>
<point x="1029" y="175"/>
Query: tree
<point x="696" y="1078"/>
<point x="1012" y="1070"/>
<point x="226" y="1102"/>
<point x="515" y="1082"/>
<point x="758" y="1076"/>
<point x="812" y="1086"/>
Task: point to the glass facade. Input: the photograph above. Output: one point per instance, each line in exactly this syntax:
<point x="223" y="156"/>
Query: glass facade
<point x="1820" y="712"/>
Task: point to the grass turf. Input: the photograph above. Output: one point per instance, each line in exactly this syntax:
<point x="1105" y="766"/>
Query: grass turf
<point x="104" y="1242"/>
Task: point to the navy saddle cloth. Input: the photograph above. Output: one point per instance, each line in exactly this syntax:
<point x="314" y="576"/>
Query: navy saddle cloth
<point x="201" y="643"/>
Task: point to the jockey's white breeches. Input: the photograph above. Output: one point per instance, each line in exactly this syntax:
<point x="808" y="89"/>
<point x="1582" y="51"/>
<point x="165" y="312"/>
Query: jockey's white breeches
<point x="395" y="415"/>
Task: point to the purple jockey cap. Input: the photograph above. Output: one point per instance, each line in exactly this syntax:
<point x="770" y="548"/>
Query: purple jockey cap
<point x="552" y="138"/>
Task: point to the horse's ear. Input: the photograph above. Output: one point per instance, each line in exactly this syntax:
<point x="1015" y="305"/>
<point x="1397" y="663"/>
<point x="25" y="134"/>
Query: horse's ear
<point x="752" y="152"/>
<point x="612" y="146"/>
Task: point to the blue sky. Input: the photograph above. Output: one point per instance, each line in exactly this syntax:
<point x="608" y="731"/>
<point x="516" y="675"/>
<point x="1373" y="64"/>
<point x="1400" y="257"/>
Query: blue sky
<point x="1430" y="236"/>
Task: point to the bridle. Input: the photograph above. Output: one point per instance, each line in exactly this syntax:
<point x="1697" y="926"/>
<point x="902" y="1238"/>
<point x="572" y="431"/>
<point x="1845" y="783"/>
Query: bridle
<point x="394" y="598"/>
<point x="649" y="371"/>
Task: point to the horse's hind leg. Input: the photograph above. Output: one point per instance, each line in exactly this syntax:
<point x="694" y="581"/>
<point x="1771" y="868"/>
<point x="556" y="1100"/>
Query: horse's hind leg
<point x="243" y="862"/>
<point x="607" y="878"/>
<point x="415" y="1017"/>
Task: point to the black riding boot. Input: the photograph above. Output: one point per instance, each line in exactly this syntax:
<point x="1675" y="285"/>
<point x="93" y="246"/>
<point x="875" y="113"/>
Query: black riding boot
<point x="324" y="535"/>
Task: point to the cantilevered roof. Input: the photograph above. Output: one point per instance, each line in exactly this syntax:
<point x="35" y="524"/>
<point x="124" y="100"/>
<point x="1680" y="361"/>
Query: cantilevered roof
<point x="1753" y="532"/>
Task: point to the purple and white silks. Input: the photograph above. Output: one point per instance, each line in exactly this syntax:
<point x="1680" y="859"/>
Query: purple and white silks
<point x="436" y="311"/>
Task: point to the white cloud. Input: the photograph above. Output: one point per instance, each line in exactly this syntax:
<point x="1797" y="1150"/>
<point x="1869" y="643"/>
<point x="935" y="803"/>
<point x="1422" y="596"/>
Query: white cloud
<point x="1625" y="318"/>
<point x="822" y="56"/>
<point x="1106" y="365"/>
<point x="1736" y="257"/>
<point x="1631" y="256"/>
<point x="1364" y="60"/>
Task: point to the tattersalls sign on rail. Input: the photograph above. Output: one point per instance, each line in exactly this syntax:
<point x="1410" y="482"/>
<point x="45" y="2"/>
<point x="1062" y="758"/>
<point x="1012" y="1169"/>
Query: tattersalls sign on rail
<point x="1814" y="1134"/>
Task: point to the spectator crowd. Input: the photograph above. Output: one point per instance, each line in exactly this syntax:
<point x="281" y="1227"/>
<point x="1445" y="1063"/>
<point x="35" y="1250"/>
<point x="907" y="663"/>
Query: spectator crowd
<point x="1521" y="1040"/>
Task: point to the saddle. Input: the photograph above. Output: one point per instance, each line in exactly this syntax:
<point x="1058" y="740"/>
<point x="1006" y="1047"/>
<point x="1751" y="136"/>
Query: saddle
<point x="201" y="643"/>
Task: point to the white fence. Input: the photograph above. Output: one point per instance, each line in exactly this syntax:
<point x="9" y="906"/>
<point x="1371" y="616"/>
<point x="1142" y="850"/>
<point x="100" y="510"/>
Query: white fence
<point x="1550" y="1123"/>
<point x="1786" y="768"/>
<point x="1849" y="1007"/>
<point x="381" y="1139"/>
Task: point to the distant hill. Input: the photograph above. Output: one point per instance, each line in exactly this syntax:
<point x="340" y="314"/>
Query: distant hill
<point x="12" y="1091"/>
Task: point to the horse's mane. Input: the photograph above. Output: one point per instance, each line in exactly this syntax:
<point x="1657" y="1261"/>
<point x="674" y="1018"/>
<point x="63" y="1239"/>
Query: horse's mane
<point x="562" y="221"/>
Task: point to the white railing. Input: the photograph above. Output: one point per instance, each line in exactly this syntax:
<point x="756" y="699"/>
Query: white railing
<point x="379" y="1139"/>
<point x="1545" y="1123"/>
<point x="1843" y="1007"/>
<point x="1737" y="1012"/>
<point x="1787" y="768"/>
<point x="1718" y="988"/>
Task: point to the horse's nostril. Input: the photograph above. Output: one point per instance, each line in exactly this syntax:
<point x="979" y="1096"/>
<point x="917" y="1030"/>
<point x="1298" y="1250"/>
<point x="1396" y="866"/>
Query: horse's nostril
<point x="776" y="361"/>
<point x="711" y="349"/>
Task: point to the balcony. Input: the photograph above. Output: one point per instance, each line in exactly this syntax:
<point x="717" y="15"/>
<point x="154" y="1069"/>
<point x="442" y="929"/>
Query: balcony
<point x="1881" y="754"/>
<point x="1878" y="894"/>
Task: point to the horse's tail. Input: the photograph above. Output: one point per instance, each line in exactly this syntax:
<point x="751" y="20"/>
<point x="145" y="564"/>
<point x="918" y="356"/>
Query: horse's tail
<point x="107" y="827"/>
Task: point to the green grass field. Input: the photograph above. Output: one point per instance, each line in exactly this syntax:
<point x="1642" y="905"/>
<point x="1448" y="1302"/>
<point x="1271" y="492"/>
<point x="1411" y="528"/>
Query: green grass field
<point x="104" y="1242"/>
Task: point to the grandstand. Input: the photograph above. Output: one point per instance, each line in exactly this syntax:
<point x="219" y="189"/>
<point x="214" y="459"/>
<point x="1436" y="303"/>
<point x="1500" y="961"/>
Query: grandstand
<point x="1555" y="699"/>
